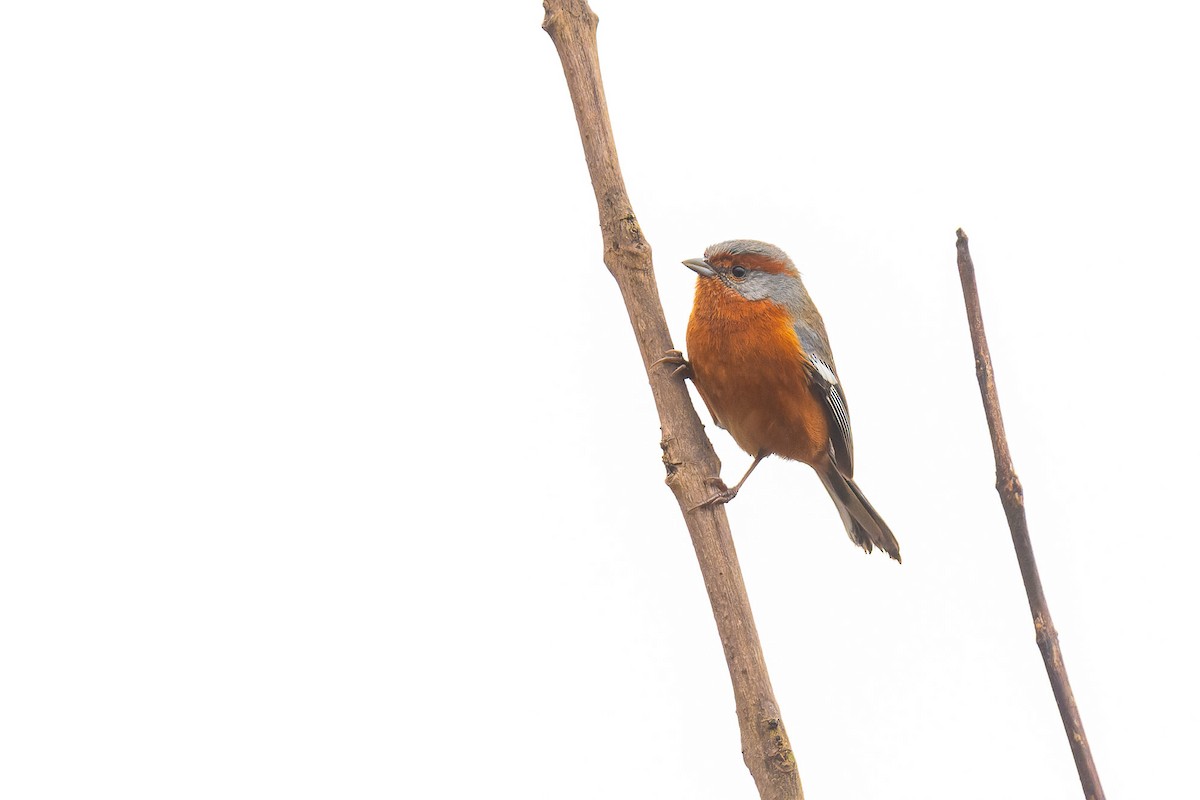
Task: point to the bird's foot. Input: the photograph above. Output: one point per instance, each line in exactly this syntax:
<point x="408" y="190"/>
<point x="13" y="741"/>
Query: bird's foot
<point x="722" y="496"/>
<point x="675" y="358"/>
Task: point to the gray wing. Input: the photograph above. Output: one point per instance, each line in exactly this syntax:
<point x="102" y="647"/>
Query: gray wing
<point x="824" y="380"/>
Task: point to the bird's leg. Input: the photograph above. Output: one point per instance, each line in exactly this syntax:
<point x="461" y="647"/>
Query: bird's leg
<point x="682" y="365"/>
<point x="725" y="495"/>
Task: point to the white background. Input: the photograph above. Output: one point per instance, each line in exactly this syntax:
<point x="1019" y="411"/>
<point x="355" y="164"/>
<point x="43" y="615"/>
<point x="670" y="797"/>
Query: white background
<point x="329" y="467"/>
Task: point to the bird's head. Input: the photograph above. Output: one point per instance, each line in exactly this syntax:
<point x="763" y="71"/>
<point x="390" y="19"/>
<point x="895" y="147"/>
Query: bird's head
<point x="755" y="270"/>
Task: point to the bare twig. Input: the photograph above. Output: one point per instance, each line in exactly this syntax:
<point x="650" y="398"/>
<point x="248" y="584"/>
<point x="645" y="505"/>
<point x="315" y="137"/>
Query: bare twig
<point x="1013" y="499"/>
<point x="688" y="455"/>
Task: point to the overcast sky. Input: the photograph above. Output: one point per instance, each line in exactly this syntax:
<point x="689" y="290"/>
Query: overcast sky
<point x="329" y="467"/>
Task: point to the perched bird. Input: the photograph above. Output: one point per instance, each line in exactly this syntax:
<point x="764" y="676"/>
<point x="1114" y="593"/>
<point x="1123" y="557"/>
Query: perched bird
<point x="761" y="360"/>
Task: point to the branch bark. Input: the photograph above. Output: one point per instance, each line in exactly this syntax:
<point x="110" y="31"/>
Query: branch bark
<point x="687" y="453"/>
<point x="1012" y="498"/>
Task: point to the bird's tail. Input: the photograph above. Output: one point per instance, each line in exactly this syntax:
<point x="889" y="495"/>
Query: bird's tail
<point x="863" y="523"/>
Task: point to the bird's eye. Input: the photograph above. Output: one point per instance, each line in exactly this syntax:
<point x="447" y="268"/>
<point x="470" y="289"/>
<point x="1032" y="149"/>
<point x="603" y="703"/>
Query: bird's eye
<point x="738" y="271"/>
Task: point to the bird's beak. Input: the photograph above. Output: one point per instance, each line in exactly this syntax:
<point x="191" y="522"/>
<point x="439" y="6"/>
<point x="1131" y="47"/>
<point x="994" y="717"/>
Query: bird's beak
<point x="700" y="267"/>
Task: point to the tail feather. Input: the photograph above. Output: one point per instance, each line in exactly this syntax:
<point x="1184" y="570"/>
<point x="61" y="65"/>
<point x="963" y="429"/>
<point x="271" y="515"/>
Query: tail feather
<point x="863" y="524"/>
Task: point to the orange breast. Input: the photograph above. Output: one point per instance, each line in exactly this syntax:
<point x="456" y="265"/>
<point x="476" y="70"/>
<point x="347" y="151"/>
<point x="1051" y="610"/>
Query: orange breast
<point x="748" y="366"/>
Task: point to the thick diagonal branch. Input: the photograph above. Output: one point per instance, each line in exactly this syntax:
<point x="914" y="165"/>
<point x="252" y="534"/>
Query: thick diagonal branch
<point x="688" y="455"/>
<point x="1013" y="500"/>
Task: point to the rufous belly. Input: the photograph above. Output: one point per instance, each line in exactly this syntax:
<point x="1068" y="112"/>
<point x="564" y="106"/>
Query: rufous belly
<point x="748" y="366"/>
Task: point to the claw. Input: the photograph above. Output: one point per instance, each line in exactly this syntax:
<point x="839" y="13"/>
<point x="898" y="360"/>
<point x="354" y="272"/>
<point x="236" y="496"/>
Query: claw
<point x="726" y="494"/>
<point x="671" y="357"/>
<point x="682" y="366"/>
<point x="720" y="497"/>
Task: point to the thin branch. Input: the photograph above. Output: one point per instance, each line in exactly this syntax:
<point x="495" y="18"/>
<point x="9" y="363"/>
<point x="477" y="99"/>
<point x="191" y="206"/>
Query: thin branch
<point x="687" y="454"/>
<point x="1012" y="498"/>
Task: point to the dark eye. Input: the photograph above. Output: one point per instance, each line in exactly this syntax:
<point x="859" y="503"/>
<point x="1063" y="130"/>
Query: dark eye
<point x="738" y="271"/>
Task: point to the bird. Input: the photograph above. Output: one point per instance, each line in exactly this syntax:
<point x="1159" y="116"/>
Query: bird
<point x="759" y="356"/>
